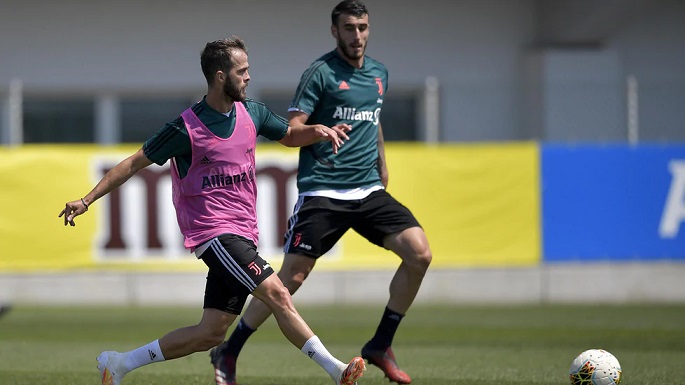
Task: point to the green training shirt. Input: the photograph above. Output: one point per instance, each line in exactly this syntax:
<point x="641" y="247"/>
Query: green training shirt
<point x="172" y="140"/>
<point x="331" y="91"/>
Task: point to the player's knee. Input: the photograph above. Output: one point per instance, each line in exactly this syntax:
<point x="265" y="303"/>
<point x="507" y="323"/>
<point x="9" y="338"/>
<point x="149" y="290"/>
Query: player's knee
<point x="294" y="281"/>
<point x="420" y="259"/>
<point x="425" y="258"/>
<point x="294" y="271"/>
<point x="279" y="297"/>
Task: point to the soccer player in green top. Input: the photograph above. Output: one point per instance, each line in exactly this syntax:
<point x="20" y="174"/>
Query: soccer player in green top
<point x="346" y="190"/>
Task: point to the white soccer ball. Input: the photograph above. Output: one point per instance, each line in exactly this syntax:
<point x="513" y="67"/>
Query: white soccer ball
<point x="595" y="367"/>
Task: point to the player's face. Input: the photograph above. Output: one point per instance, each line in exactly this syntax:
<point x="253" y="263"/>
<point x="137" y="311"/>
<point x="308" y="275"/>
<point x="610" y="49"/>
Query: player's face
<point x="238" y="77"/>
<point x="352" y="34"/>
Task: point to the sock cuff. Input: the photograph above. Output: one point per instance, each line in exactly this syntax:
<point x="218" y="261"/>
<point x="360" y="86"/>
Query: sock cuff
<point x="141" y="356"/>
<point x="393" y="314"/>
<point x="315" y="350"/>
<point x="310" y="347"/>
<point x="245" y="327"/>
<point x="155" y="348"/>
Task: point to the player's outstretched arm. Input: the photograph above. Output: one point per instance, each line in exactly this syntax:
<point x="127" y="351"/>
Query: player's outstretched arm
<point x="113" y="179"/>
<point x="300" y="134"/>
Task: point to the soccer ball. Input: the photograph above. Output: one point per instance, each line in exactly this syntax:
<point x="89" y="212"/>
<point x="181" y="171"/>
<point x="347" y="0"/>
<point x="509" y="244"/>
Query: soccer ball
<point x="595" y="367"/>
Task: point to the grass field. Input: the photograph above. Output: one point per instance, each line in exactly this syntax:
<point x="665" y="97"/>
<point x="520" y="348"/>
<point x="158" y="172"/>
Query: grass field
<point x="437" y="345"/>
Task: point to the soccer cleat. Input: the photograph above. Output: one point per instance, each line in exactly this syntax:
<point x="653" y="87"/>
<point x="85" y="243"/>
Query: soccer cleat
<point x="385" y="360"/>
<point x="224" y="366"/>
<point x="110" y="370"/>
<point x="352" y="372"/>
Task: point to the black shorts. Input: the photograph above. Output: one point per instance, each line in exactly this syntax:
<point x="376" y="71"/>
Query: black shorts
<point x="318" y="223"/>
<point x="235" y="270"/>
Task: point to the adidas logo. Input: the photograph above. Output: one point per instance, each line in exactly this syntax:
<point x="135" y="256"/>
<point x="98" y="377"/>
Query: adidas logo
<point x="152" y="355"/>
<point x="310" y="354"/>
<point x="343" y="85"/>
<point x="205" y="160"/>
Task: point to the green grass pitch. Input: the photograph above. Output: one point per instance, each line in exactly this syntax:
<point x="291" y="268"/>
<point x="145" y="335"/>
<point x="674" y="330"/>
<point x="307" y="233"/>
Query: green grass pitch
<point x="436" y="345"/>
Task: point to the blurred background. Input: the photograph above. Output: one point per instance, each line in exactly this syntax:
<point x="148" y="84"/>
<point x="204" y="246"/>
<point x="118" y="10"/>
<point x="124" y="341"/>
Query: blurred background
<point x="540" y="143"/>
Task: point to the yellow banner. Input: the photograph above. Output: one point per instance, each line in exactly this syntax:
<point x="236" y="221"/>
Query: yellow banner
<point x="36" y="182"/>
<point x="479" y="205"/>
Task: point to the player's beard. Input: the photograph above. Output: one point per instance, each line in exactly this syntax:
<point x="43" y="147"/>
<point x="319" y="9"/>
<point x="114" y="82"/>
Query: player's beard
<point x="348" y="51"/>
<point x="234" y="93"/>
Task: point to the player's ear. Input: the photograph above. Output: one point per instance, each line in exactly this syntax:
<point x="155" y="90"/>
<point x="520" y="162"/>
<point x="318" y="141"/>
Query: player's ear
<point x="220" y="76"/>
<point x="334" y="31"/>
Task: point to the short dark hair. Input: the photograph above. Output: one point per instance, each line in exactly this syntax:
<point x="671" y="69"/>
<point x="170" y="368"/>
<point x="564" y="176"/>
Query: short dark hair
<point x="348" y="7"/>
<point x="218" y="56"/>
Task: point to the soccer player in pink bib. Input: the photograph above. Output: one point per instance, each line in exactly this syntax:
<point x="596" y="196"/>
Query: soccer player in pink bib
<point x="211" y="146"/>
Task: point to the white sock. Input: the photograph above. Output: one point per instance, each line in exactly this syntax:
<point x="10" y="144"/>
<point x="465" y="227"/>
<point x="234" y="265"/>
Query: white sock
<point x="144" y="355"/>
<point x="315" y="350"/>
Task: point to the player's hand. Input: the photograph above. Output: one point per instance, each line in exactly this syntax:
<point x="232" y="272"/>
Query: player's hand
<point x="72" y="210"/>
<point x="334" y="135"/>
<point x="342" y="129"/>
